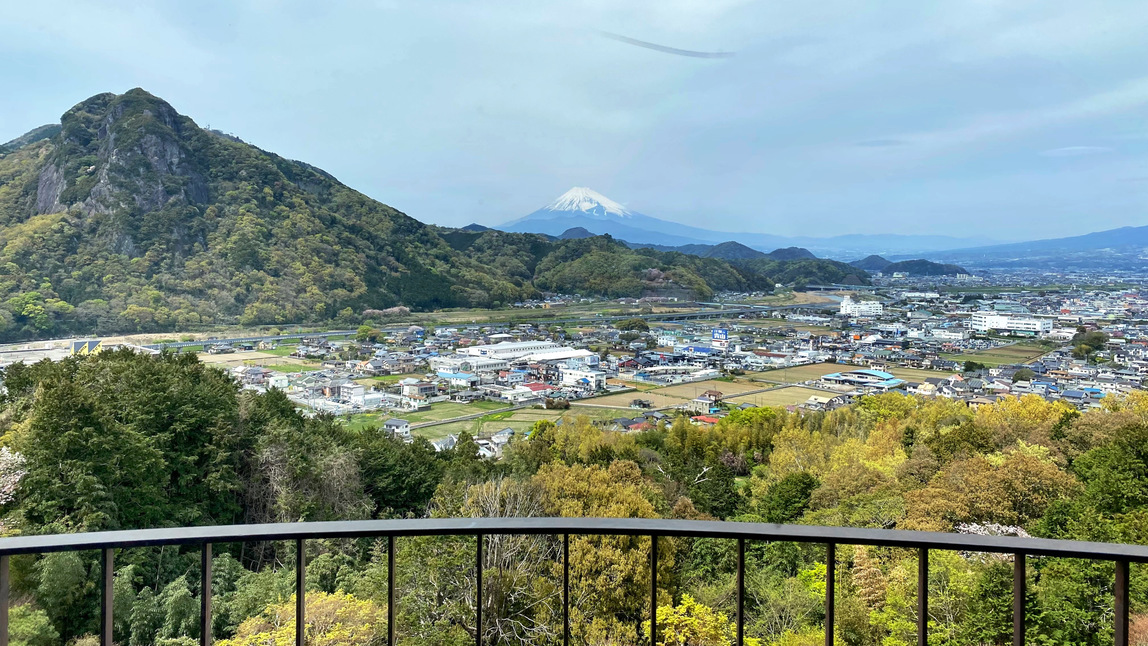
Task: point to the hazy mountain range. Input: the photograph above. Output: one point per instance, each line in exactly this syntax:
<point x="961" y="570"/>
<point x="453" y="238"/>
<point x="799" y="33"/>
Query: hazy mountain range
<point x="585" y="212"/>
<point x="585" y="208"/>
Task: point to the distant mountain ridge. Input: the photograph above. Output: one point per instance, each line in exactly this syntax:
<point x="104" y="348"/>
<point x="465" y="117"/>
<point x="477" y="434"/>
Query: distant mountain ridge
<point x="1121" y="248"/>
<point x="582" y="207"/>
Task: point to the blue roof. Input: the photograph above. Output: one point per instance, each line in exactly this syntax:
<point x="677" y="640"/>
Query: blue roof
<point x="455" y="375"/>
<point x="876" y="373"/>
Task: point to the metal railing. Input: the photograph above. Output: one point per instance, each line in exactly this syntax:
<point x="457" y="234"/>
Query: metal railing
<point x="1020" y="548"/>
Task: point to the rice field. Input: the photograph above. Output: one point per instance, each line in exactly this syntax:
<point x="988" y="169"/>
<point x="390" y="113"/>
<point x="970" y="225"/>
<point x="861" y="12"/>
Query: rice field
<point x="622" y="400"/>
<point x="690" y="391"/>
<point x="1018" y="353"/>
<point x="788" y="396"/>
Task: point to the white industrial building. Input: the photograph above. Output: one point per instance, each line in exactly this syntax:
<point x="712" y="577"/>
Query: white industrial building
<point x="850" y="307"/>
<point x="466" y="363"/>
<point x="992" y="322"/>
<point x="509" y="349"/>
<point x="588" y="379"/>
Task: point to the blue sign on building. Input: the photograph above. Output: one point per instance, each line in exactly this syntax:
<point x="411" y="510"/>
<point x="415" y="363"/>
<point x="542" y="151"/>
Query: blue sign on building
<point x="720" y="334"/>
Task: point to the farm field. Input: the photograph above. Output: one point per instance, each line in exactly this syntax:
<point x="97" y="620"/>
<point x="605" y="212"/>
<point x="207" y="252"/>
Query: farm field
<point x="790" y="395"/>
<point x="438" y="412"/>
<point x="799" y="374"/>
<point x="690" y="391"/>
<point x="1019" y="353"/>
<point x="520" y="420"/>
<point x="657" y="397"/>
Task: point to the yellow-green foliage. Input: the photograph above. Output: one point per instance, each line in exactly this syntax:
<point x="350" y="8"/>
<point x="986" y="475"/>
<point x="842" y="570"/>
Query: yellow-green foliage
<point x="331" y="620"/>
<point x="692" y="624"/>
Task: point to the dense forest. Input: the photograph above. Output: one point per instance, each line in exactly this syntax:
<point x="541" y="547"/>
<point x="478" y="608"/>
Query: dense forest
<point x="119" y="440"/>
<point x="128" y="217"/>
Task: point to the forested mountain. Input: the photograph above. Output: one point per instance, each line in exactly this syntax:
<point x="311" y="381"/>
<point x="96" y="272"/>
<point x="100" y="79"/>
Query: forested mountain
<point x="811" y="271"/>
<point x="791" y="253"/>
<point x="872" y="263"/>
<point x="130" y="217"/>
<point x="923" y="268"/>
<point x="119" y="440"/>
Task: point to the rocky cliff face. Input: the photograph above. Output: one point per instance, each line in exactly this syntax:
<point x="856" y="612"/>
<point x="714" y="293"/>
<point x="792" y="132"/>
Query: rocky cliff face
<point x="132" y="151"/>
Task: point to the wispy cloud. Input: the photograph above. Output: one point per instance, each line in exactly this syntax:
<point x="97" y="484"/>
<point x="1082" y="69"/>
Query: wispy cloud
<point x="662" y="48"/>
<point x="882" y="143"/>
<point x="1076" y="151"/>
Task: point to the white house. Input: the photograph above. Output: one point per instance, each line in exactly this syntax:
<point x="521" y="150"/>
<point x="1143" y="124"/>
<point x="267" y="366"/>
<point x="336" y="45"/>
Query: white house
<point x="400" y="428"/>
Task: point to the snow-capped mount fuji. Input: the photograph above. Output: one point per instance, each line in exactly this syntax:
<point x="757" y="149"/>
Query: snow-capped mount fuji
<point x="586" y="208"/>
<point x="589" y="202"/>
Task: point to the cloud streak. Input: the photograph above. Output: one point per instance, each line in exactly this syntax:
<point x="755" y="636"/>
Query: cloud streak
<point x="1076" y="151"/>
<point x="662" y="48"/>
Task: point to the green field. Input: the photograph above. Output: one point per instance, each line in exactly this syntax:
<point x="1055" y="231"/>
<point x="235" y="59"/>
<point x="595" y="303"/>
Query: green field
<point x="520" y="420"/>
<point x="281" y="350"/>
<point x="789" y="396"/>
<point x="292" y="367"/>
<point x="1017" y="353"/>
<point x="437" y="412"/>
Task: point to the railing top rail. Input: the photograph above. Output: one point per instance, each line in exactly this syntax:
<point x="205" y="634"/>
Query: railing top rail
<point x="603" y="526"/>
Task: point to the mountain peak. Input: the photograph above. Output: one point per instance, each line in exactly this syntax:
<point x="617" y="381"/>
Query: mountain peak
<point x="587" y="200"/>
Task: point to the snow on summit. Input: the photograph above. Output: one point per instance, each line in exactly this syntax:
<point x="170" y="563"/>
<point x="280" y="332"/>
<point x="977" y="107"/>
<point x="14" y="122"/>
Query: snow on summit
<point x="588" y="201"/>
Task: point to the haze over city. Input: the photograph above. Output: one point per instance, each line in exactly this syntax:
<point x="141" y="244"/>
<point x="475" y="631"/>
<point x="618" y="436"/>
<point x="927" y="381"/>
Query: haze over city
<point x="1025" y="119"/>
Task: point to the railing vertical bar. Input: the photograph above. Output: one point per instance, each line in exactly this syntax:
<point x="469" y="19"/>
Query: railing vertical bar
<point x="391" y="590"/>
<point x="740" y="592"/>
<point x="4" y="589"/>
<point x="1121" y="603"/>
<point x="205" y="595"/>
<point x="106" y="598"/>
<point x="653" y="590"/>
<point x="478" y="594"/>
<point x="922" y="596"/>
<point x="1018" y="587"/>
<point x="565" y="590"/>
<point x="300" y="592"/>
<point x="830" y="591"/>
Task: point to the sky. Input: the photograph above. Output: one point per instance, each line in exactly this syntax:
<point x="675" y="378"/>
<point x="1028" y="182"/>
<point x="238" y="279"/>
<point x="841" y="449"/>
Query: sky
<point x="1000" y="119"/>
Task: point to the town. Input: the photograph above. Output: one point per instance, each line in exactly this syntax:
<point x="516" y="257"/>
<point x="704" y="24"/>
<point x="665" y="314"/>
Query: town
<point x="493" y="381"/>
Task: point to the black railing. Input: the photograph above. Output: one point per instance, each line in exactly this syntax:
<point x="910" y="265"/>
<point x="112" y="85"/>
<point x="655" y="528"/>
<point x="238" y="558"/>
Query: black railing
<point x="1020" y="548"/>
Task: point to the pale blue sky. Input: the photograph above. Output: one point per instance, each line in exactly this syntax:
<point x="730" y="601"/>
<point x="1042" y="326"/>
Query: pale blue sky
<point x="1001" y="118"/>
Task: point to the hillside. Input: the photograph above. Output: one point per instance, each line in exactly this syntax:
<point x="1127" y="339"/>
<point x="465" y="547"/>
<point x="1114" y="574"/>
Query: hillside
<point x="872" y="263"/>
<point x="791" y="253"/>
<point x="923" y="268"/>
<point x="815" y="271"/>
<point x="130" y="217"/>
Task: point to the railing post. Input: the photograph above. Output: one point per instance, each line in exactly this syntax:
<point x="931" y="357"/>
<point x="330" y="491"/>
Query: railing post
<point x="653" y="590"/>
<point x="565" y="590"/>
<point x="391" y="590"/>
<point x="108" y="561"/>
<point x="830" y="593"/>
<point x="1121" y="603"/>
<point x="4" y="587"/>
<point x="1018" y="586"/>
<point x="205" y="595"/>
<point x="300" y="592"/>
<point x="923" y="596"/>
<point x="740" y="592"/>
<point x="478" y="594"/>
